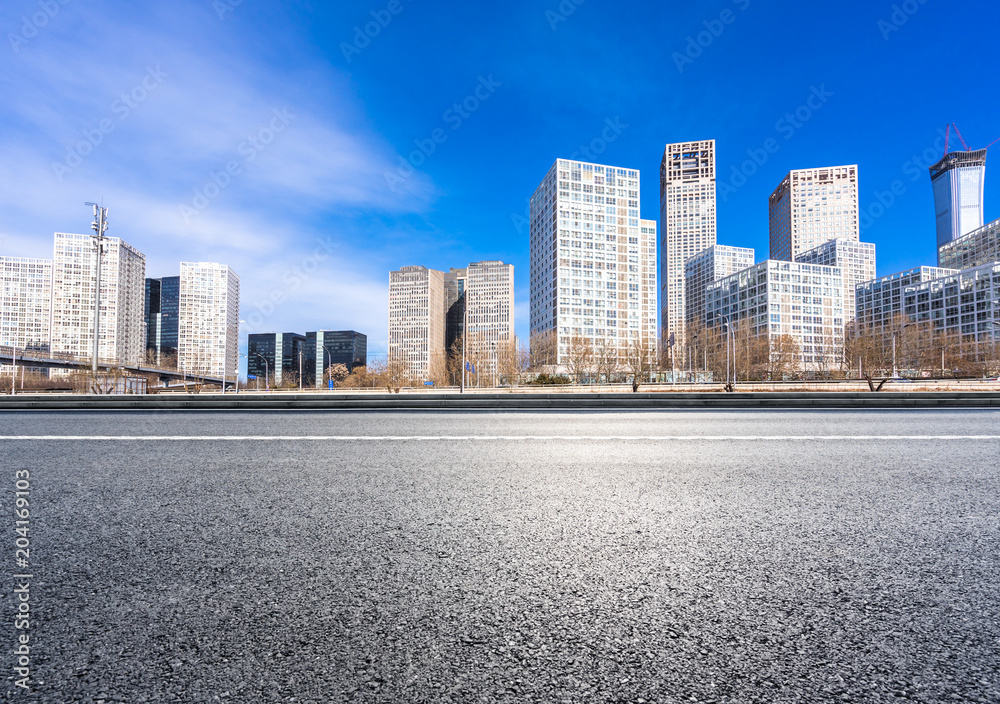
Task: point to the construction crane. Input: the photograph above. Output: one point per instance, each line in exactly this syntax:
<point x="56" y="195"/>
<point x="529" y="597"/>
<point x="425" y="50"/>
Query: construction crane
<point x="947" y="137"/>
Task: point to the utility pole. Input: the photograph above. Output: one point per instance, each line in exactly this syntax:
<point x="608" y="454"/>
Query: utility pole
<point x="100" y="226"/>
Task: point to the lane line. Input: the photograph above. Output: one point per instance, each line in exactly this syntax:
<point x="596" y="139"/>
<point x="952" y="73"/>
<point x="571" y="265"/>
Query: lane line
<point x="484" y="438"/>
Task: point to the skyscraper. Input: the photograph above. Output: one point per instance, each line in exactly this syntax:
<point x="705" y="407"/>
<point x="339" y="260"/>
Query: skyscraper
<point x="958" y="181"/>
<point x="208" y="319"/>
<point x="417" y="320"/>
<point x="812" y="206"/>
<point x="687" y="224"/>
<point x="123" y="275"/>
<point x="593" y="262"/>
<point x="489" y="294"/>
<point x="25" y="304"/>
<point x="161" y="311"/>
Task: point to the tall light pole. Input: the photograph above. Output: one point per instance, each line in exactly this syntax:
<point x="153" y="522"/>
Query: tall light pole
<point x="236" y="372"/>
<point x="465" y="334"/>
<point x="100" y="226"/>
<point x="729" y="327"/>
<point x="267" y="384"/>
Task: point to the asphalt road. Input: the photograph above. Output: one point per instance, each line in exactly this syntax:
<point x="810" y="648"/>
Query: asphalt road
<point x="783" y="557"/>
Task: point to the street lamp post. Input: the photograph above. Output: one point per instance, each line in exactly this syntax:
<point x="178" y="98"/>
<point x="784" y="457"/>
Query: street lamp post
<point x="267" y="383"/>
<point x="729" y="330"/>
<point x="236" y="372"/>
<point x="325" y="365"/>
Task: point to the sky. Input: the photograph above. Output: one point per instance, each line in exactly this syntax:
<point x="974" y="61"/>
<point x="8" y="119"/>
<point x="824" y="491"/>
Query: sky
<point x="314" y="147"/>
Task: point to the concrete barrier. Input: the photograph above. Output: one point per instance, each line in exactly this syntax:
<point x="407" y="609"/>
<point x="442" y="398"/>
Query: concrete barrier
<point x="501" y="401"/>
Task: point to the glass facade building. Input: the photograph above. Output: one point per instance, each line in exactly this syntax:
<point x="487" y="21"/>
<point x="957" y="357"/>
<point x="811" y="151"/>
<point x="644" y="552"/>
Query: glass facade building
<point x="275" y="356"/>
<point x="975" y="249"/>
<point x="958" y="182"/>
<point x="324" y="348"/>
<point x="161" y="315"/>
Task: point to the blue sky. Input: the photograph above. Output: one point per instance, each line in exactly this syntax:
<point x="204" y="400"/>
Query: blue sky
<point x="284" y="139"/>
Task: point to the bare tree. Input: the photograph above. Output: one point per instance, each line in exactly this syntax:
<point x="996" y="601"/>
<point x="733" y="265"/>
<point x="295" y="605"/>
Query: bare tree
<point x="783" y="357"/>
<point x="579" y="357"/>
<point x="639" y="356"/>
<point x="512" y="361"/>
<point x="606" y="360"/>
<point x="543" y="349"/>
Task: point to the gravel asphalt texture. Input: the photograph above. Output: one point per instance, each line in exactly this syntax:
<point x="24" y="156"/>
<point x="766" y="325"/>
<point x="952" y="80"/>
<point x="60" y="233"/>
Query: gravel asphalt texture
<point x="587" y="570"/>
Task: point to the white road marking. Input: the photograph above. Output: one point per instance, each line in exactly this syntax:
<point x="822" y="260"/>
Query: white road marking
<point x="484" y="438"/>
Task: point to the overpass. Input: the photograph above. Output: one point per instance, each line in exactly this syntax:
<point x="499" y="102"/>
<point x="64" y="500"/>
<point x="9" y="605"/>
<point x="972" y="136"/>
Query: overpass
<point x="61" y="361"/>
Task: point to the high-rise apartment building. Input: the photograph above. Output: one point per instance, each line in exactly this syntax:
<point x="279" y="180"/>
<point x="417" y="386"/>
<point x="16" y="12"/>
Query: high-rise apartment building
<point x="856" y="260"/>
<point x="811" y="206"/>
<point x="276" y="357"/>
<point x="324" y="348"/>
<point x="161" y="311"/>
<point x="958" y="181"/>
<point x="964" y="304"/>
<point x="123" y="275"/>
<point x="880" y="302"/>
<point x="417" y="321"/>
<point x="975" y="249"/>
<point x="208" y="319"/>
<point x="488" y="290"/>
<point x="687" y="224"/>
<point x="712" y="264"/>
<point x="593" y="261"/>
<point x="778" y="299"/>
<point x="25" y="304"/>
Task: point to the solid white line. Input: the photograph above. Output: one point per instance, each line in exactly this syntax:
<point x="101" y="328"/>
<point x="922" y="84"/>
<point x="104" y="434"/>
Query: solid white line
<point x="486" y="438"/>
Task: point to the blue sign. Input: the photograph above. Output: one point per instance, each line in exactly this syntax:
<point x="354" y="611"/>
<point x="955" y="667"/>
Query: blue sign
<point x="251" y="376"/>
<point x="470" y="367"/>
<point x="331" y="383"/>
<point x="428" y="383"/>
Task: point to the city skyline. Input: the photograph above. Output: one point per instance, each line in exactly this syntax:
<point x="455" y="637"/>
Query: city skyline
<point x="312" y="215"/>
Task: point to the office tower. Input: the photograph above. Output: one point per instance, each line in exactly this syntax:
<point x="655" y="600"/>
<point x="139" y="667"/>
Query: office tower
<point x="979" y="247"/>
<point x="488" y="291"/>
<point x="687" y="224"/>
<point x="417" y="321"/>
<point x="958" y="181"/>
<point x="593" y="262"/>
<point x="25" y="305"/>
<point x="879" y="302"/>
<point x="325" y="348"/>
<point x="208" y="319"/>
<point x="811" y="206"/>
<point x="123" y="275"/>
<point x="454" y="307"/>
<point x="161" y="311"/>
<point x="273" y="358"/>
<point x="712" y="264"/>
<point x="945" y="303"/>
<point x="775" y="299"/>
<point x="855" y="259"/>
